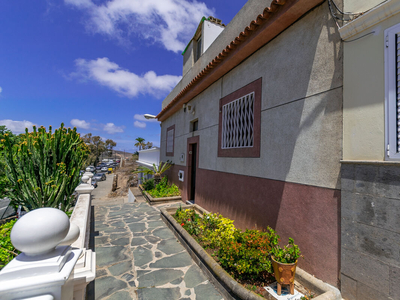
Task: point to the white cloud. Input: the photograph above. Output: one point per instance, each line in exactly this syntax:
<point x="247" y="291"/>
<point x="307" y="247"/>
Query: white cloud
<point x="1" y="89"/>
<point x="17" y="126"/>
<point x="80" y="124"/>
<point x="139" y="124"/>
<point x="129" y="84"/>
<point x="143" y="119"/>
<point x="171" y="23"/>
<point x="112" y="128"/>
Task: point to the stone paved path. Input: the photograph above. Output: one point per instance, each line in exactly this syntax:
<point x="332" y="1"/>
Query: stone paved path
<point x="138" y="257"/>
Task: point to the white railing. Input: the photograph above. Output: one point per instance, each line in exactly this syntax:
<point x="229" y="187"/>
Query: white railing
<point x="56" y="262"/>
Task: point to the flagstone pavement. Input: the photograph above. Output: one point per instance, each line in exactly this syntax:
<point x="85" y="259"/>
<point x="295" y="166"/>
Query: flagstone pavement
<point x="138" y="257"/>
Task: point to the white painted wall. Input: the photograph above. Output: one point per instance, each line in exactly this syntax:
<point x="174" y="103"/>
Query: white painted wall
<point x="149" y="156"/>
<point x="364" y="85"/>
<point x="210" y="32"/>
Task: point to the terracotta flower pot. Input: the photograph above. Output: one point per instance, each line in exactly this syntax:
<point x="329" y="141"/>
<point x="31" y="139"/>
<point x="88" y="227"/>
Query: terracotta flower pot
<point x="284" y="274"/>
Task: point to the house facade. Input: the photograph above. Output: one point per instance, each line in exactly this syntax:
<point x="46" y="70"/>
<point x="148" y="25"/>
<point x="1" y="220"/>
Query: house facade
<point x="255" y="124"/>
<point x="370" y="180"/>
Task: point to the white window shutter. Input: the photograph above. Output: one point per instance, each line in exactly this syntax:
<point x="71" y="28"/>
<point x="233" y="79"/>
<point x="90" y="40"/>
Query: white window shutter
<point x="392" y="92"/>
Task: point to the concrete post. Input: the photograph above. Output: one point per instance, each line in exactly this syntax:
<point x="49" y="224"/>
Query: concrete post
<point x="44" y="269"/>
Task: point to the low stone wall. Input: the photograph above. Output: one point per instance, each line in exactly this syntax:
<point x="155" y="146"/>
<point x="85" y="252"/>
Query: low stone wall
<point x="154" y="201"/>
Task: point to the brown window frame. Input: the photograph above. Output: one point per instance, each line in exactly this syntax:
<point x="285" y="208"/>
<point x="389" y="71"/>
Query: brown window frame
<point x="256" y="87"/>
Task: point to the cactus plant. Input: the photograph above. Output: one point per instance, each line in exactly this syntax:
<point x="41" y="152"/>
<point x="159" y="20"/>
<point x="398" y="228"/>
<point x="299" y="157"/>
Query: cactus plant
<point x="43" y="167"/>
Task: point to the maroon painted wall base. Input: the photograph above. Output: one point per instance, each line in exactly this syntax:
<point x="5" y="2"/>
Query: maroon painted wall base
<point x="309" y="214"/>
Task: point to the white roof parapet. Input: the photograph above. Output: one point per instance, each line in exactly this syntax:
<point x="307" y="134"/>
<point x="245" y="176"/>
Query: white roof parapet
<point x="149" y="150"/>
<point x="146" y="164"/>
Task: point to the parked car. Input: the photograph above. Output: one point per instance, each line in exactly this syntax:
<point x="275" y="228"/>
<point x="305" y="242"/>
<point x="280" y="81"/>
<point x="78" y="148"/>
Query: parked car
<point x="92" y="168"/>
<point x="118" y="161"/>
<point x="94" y="183"/>
<point x="98" y="168"/>
<point x="99" y="177"/>
<point x="104" y="169"/>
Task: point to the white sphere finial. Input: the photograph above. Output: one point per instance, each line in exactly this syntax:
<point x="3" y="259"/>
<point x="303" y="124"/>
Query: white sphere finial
<point x="85" y="178"/>
<point x="40" y="231"/>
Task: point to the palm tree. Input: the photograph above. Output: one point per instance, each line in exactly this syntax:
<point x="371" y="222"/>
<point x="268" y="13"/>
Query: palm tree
<point x="140" y="143"/>
<point x="156" y="171"/>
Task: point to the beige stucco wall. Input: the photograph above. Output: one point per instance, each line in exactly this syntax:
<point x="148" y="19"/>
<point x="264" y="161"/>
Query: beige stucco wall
<point x="364" y="94"/>
<point x="301" y="117"/>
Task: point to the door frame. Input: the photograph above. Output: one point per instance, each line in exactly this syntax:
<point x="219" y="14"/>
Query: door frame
<point x="190" y="142"/>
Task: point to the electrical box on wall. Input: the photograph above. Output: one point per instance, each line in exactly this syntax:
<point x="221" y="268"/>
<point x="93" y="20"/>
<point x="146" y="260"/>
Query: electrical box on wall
<point x="180" y="175"/>
<point x="182" y="157"/>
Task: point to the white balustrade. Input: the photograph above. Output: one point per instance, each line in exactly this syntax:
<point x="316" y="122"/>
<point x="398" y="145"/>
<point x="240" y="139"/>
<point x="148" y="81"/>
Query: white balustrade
<point x="55" y="263"/>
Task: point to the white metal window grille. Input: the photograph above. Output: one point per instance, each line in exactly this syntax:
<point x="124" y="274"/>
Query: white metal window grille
<point x="170" y="140"/>
<point x="238" y="123"/>
<point x="392" y="92"/>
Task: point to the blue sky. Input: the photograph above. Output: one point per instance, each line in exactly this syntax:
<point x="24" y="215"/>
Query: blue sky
<point x="97" y="65"/>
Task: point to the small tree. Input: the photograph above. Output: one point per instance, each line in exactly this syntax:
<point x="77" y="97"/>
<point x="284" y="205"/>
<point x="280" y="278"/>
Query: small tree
<point x="43" y="167"/>
<point x="156" y="171"/>
<point x="148" y="145"/>
<point x="96" y="148"/>
<point x="110" y="144"/>
<point x="140" y="143"/>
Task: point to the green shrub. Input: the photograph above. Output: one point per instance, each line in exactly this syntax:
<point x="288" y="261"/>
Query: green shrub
<point x="247" y="254"/>
<point x="189" y="220"/>
<point x="164" y="190"/>
<point x="215" y="230"/>
<point x="148" y="184"/>
<point x="7" y="250"/>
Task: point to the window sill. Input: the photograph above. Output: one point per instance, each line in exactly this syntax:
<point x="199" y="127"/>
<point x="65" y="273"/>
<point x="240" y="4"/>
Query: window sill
<point x="371" y="162"/>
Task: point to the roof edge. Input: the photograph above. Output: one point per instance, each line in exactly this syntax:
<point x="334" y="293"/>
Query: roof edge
<point x="274" y="19"/>
<point x="201" y="22"/>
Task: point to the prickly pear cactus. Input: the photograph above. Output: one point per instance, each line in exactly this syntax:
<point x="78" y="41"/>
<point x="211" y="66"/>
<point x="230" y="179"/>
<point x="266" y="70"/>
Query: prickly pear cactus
<point x="44" y="167"/>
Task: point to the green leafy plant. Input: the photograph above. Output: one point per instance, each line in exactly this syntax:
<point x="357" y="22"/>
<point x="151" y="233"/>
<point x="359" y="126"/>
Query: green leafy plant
<point x="43" y="167"/>
<point x="188" y="219"/>
<point x="7" y="250"/>
<point x="5" y="185"/>
<point x="288" y="254"/>
<point x="156" y="171"/>
<point x="216" y="230"/>
<point x="248" y="254"/>
<point x="245" y="255"/>
<point x="148" y="184"/>
<point x="163" y="189"/>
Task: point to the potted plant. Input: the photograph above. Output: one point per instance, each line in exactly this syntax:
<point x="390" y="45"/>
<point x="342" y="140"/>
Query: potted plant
<point x="284" y="262"/>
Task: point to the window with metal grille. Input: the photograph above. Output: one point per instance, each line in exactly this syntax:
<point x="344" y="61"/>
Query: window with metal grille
<point x="238" y="123"/>
<point x="239" y="128"/>
<point x="170" y="140"/>
<point x="392" y="92"/>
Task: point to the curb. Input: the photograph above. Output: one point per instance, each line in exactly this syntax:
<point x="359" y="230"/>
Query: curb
<point x="226" y="285"/>
<point x="154" y="201"/>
